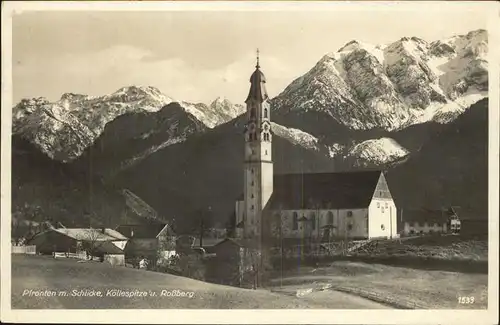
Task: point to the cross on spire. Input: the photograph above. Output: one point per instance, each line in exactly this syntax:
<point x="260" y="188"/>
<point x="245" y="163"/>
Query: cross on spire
<point x="257" y="66"/>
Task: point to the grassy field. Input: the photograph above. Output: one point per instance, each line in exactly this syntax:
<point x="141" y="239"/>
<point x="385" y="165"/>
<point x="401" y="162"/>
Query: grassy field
<point x="466" y="248"/>
<point x="398" y="286"/>
<point x="40" y="273"/>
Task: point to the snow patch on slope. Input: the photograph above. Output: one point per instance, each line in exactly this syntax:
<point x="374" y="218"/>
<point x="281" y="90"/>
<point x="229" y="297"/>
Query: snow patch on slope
<point x="296" y="136"/>
<point x="447" y="112"/>
<point x="134" y="160"/>
<point x="381" y="150"/>
<point x="335" y="149"/>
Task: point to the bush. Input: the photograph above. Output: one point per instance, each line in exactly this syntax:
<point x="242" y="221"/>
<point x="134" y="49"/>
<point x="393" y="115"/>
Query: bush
<point x="192" y="266"/>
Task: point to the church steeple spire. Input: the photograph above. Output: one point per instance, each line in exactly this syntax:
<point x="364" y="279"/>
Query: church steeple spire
<point x="257" y="66"/>
<point x="258" y="92"/>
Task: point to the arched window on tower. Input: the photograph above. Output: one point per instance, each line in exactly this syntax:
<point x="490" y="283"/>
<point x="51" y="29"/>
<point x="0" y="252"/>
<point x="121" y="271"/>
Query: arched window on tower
<point x="265" y="112"/>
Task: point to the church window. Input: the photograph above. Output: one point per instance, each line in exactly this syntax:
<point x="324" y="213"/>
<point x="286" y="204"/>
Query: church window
<point x="349" y="213"/>
<point x="251" y="170"/>
<point x="330" y="217"/>
<point x="252" y="112"/>
<point x="266" y="153"/>
<point x="265" y="112"/>
<point x="349" y="227"/>
<point x="295" y="221"/>
<point x="252" y="183"/>
<point x="386" y="205"/>
<point x="252" y="207"/>
<point x="378" y="204"/>
<point x="382" y="209"/>
<point x="251" y="196"/>
<point x="382" y="227"/>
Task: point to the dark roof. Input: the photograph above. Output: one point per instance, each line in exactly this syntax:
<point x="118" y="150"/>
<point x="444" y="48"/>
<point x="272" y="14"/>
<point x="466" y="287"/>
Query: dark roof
<point x="346" y="190"/>
<point x="257" y="86"/>
<point x="426" y="215"/>
<point x="206" y="242"/>
<point x="141" y="231"/>
<point x="239" y="242"/>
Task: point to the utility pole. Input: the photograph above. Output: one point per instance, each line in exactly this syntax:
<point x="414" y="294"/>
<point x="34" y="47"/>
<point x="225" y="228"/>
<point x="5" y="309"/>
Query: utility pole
<point x="281" y="249"/>
<point x="202" y="224"/>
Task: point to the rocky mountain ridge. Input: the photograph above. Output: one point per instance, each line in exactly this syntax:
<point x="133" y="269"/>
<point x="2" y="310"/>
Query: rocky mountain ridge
<point x="389" y="87"/>
<point x="65" y="128"/>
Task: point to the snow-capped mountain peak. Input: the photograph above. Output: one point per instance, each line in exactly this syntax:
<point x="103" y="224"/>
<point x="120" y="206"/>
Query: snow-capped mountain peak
<point x="392" y="86"/>
<point x="65" y="128"/>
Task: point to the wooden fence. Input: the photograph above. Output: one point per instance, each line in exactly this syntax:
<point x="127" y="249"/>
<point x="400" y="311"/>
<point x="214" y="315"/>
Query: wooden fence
<point x="24" y="250"/>
<point x="81" y="255"/>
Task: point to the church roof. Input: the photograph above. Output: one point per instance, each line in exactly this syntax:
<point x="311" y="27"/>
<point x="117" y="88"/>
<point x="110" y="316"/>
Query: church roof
<point x="257" y="86"/>
<point x="348" y="190"/>
<point x="427" y="215"/>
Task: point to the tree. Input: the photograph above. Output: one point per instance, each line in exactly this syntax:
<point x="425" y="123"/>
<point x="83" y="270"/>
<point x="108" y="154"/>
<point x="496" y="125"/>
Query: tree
<point x="27" y="221"/>
<point x="90" y="241"/>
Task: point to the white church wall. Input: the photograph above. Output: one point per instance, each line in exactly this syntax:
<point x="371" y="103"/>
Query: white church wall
<point x="340" y="219"/>
<point x="382" y="218"/>
<point x="352" y="223"/>
<point x="267" y="182"/>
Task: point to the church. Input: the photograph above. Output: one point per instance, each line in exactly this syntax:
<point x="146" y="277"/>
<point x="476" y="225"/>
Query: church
<point x="317" y="206"/>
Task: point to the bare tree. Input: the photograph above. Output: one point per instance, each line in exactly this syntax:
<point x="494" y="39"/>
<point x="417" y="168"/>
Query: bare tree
<point x="90" y="241"/>
<point x="252" y="266"/>
<point x="27" y="222"/>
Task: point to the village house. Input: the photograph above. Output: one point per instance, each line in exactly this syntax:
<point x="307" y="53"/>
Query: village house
<point x="152" y="240"/>
<point x="104" y="243"/>
<point x="429" y="221"/>
<point x="229" y="266"/>
<point x="207" y="243"/>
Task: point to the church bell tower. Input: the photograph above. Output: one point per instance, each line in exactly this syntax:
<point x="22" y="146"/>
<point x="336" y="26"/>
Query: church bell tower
<point x="258" y="166"/>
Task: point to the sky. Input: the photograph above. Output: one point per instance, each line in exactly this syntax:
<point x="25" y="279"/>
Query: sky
<point x="197" y="56"/>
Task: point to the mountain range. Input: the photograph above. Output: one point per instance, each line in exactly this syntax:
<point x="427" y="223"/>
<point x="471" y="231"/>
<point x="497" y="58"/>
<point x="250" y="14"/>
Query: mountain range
<point x="416" y="109"/>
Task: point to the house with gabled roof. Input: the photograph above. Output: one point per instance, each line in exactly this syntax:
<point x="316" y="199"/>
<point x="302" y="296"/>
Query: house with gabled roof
<point x="151" y="240"/>
<point x="106" y="243"/>
<point x="427" y="221"/>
